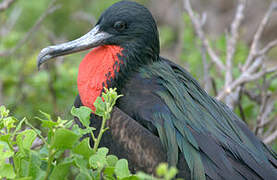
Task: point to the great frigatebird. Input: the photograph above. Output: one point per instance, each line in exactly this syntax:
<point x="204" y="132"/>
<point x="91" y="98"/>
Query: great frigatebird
<point x="198" y="133"/>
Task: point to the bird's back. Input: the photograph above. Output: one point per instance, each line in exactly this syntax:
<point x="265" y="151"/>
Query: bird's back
<point x="212" y="140"/>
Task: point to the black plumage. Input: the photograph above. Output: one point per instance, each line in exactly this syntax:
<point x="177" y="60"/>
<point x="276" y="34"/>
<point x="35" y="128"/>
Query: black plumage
<point x="199" y="134"/>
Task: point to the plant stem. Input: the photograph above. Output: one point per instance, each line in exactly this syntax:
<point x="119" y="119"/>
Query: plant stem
<point x="38" y="133"/>
<point x="109" y="97"/>
<point x="102" y="130"/>
<point x="50" y="159"/>
<point x="93" y="137"/>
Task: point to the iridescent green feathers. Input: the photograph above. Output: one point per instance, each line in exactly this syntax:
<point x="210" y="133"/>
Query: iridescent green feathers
<point x="211" y="137"/>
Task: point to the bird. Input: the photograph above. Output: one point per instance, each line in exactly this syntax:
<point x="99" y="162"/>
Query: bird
<point x="164" y="106"/>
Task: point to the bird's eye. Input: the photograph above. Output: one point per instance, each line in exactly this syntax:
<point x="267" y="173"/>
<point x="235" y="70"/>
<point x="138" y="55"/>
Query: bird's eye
<point x="119" y="25"/>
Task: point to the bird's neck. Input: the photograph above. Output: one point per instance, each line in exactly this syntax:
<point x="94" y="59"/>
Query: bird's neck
<point x="98" y="70"/>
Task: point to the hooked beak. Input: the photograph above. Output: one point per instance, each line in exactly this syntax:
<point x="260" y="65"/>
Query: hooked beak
<point x="90" y="40"/>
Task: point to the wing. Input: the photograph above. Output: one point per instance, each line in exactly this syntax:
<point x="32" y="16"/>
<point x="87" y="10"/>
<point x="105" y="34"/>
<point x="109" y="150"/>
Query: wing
<point x="213" y="141"/>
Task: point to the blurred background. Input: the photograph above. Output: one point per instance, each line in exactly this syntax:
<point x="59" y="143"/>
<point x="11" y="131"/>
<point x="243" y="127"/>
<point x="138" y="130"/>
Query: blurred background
<point x="27" y="26"/>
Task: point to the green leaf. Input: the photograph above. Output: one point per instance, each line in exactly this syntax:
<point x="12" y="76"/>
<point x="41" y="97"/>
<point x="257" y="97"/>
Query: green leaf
<point x="85" y="173"/>
<point x="100" y="107"/>
<point x="43" y="151"/>
<point x="6" y="171"/>
<point x="111" y="159"/>
<point x="144" y="176"/>
<point x="82" y="165"/>
<point x="19" y="161"/>
<point x="29" y="137"/>
<point x="76" y="129"/>
<point x="105" y="103"/>
<point x="25" y="139"/>
<point x="62" y="123"/>
<point x="46" y="115"/>
<point x="5" y="138"/>
<point x="3" y="111"/>
<point x="9" y="122"/>
<point x="83" y="176"/>
<point x="110" y="96"/>
<point x="172" y="172"/>
<point x="134" y="177"/>
<point x="50" y="136"/>
<point x="69" y="124"/>
<point x="86" y="131"/>
<point x="25" y="178"/>
<point x="83" y="113"/>
<point x="162" y="169"/>
<point x="109" y="172"/>
<point x="64" y="139"/>
<point x="83" y="148"/>
<point x="103" y="151"/>
<point x="5" y="151"/>
<point x="60" y="171"/>
<point x="121" y="169"/>
<point x="18" y="127"/>
<point x="96" y="174"/>
<point x="34" y="166"/>
<point x="48" y="124"/>
<point x="97" y="161"/>
<point x="80" y="162"/>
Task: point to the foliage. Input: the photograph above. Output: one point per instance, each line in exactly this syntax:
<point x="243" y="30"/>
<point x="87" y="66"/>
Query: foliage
<point x="25" y="89"/>
<point x="61" y="154"/>
<point x="161" y="171"/>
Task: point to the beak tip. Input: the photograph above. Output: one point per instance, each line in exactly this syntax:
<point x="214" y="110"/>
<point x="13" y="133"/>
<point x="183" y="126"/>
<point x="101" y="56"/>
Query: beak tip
<point x="39" y="62"/>
<point x="38" y="66"/>
<point x="43" y="56"/>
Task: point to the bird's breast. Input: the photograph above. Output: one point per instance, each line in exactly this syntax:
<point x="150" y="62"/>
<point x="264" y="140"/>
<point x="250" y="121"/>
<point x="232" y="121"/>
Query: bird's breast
<point x="97" y="68"/>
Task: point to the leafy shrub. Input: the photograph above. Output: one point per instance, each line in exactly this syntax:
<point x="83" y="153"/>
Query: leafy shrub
<point x="27" y="153"/>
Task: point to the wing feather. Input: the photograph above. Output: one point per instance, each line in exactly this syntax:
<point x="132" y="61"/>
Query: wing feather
<point x="211" y="137"/>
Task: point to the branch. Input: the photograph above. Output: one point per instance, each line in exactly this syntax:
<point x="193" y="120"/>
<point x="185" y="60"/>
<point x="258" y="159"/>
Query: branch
<point x="244" y="78"/>
<point x="254" y="46"/>
<point x="269" y="139"/>
<point x="51" y="8"/>
<point x="252" y="96"/>
<point x="232" y="39"/>
<point x="6" y="4"/>
<point x="206" y="66"/>
<point x="233" y="36"/>
<point x="254" y="60"/>
<point x="267" y="106"/>
<point x="268" y="47"/>
<point x="200" y="33"/>
<point x="9" y="24"/>
<point x="271" y="70"/>
<point x="253" y="69"/>
<point x="207" y="78"/>
<point x="271" y="127"/>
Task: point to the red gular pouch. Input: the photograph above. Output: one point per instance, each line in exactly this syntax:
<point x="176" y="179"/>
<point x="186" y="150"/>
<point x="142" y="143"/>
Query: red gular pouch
<point x="98" y="66"/>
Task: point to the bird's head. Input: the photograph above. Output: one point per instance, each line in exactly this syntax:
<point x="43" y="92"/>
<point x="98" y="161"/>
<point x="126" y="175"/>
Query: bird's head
<point x="126" y="24"/>
<point x="124" y="38"/>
